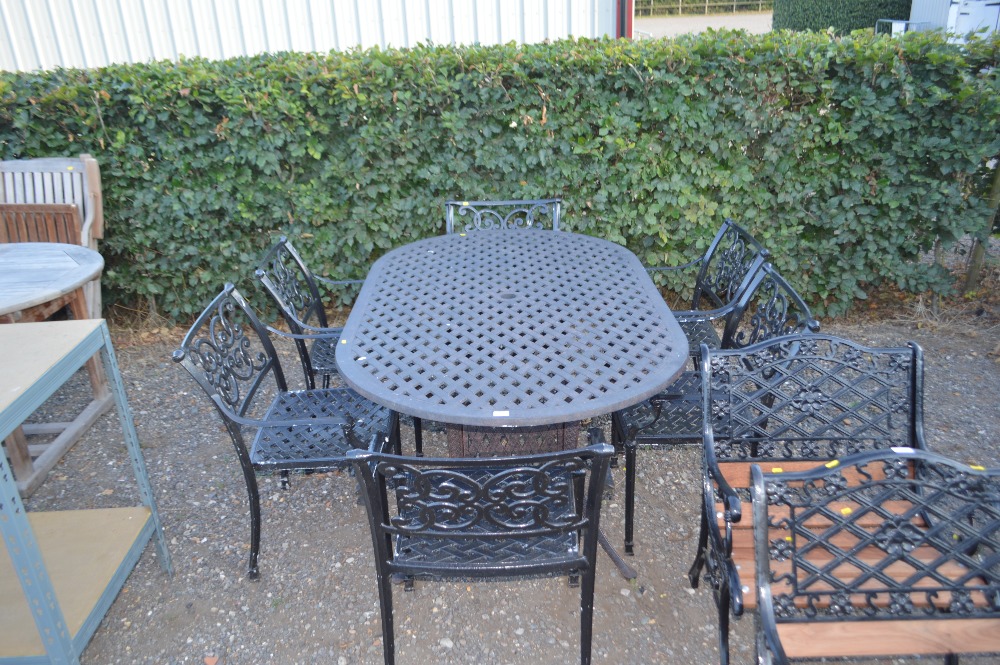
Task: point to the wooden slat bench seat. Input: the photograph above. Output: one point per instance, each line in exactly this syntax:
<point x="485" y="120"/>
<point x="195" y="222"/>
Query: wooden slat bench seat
<point x="911" y="568"/>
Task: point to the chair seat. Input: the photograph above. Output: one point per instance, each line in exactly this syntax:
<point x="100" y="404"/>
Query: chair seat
<point x="441" y="554"/>
<point x="700" y="332"/>
<point x="680" y="416"/>
<point x="325" y="446"/>
<point x="322" y="355"/>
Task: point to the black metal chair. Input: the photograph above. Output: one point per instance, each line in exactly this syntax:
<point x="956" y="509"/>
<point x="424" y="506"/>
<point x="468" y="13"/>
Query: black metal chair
<point x="724" y="274"/>
<point x="294" y="290"/>
<point x="791" y="402"/>
<point x="516" y="214"/>
<point x="768" y="308"/>
<point x="229" y="354"/>
<point x="485" y="517"/>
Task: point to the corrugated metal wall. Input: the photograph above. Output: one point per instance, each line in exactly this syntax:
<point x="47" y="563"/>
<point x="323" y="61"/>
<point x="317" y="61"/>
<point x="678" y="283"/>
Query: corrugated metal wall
<point x="43" y="34"/>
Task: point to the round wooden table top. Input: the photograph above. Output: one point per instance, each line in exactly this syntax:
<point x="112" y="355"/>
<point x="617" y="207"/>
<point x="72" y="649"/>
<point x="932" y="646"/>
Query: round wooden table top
<point x="33" y="273"/>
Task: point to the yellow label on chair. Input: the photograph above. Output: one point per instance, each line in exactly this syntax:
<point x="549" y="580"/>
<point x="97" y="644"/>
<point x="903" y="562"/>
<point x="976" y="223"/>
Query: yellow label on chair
<point x="788" y="538"/>
<point x="976" y="467"/>
<point x="846" y="511"/>
<point x="465" y="203"/>
<point x="777" y="469"/>
<point x="832" y="464"/>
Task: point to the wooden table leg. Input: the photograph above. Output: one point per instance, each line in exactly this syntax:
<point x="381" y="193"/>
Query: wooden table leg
<point x="17" y="450"/>
<point x="98" y="381"/>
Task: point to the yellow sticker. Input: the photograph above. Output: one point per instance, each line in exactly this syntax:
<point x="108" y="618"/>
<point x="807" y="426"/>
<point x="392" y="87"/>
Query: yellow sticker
<point x="976" y="467"/>
<point x="788" y="538"/>
<point x="777" y="469"/>
<point x="465" y="203"/>
<point x="846" y="511"/>
<point x="832" y="464"/>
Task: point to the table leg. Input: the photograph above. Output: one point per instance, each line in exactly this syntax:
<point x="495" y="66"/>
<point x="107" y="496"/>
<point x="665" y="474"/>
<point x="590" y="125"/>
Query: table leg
<point x="98" y="381"/>
<point x="17" y="450"/>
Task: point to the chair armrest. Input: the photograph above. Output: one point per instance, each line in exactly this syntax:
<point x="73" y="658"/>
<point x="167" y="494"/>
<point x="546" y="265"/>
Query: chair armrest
<point x="314" y="332"/>
<point x="691" y="315"/>
<point x="689" y="264"/>
<point x="337" y="282"/>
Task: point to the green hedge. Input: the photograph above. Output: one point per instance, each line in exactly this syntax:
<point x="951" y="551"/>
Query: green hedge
<point x="841" y="15"/>
<point x="848" y="156"/>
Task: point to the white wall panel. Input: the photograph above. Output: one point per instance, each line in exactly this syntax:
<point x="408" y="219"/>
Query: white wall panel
<point x="43" y="34"/>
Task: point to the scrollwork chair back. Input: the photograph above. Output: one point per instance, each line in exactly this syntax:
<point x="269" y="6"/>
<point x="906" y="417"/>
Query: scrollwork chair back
<point x="513" y="214"/>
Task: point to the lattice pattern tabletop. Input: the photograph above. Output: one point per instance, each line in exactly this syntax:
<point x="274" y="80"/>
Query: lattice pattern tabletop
<point x="510" y="328"/>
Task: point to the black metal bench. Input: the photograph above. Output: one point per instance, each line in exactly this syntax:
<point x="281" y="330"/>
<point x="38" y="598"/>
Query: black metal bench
<point x="884" y="553"/>
<point x="791" y="403"/>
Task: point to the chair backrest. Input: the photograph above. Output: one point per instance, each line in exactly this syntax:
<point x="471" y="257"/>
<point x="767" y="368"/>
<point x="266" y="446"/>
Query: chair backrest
<point x="501" y="503"/>
<point x="810" y="396"/>
<point x="727" y="267"/>
<point x="768" y="308"/>
<point x="40" y="222"/>
<point x="228" y="352"/>
<point x="292" y="287"/>
<point x="900" y="534"/>
<point x="64" y="180"/>
<point x="516" y="214"/>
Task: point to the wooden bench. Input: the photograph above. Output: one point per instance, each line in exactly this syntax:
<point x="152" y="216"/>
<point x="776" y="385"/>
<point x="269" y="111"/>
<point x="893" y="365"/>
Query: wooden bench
<point x="792" y="403"/>
<point x="884" y="553"/>
<point x="38" y="195"/>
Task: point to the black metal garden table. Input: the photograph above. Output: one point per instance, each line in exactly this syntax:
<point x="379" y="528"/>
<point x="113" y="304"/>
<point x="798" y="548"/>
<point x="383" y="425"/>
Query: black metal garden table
<point x="510" y="329"/>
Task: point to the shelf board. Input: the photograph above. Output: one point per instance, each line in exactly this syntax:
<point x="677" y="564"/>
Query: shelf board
<point x="88" y="555"/>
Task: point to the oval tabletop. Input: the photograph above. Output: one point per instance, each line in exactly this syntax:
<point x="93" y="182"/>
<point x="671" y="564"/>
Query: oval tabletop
<point x="510" y="328"/>
<point x="32" y="273"/>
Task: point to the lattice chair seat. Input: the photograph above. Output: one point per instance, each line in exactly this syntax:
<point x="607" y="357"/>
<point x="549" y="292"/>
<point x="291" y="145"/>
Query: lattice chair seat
<point x="322" y="354"/>
<point x="229" y="354"/>
<point x="700" y="331"/>
<point x="485" y="518"/>
<point x="674" y="413"/>
<point x="287" y="447"/>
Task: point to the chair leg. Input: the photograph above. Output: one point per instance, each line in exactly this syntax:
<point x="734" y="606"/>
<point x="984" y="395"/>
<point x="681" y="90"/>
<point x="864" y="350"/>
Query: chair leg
<point x="694" y="573"/>
<point x="616" y="442"/>
<point x="253" y="572"/>
<point x="385" y="605"/>
<point x="418" y="436"/>
<point x="630" y="461"/>
<point x="951" y="659"/>
<point x="723" y="600"/>
<point x="586" y="616"/>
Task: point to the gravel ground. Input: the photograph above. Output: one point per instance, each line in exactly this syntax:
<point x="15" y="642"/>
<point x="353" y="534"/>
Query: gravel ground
<point x="316" y="601"/>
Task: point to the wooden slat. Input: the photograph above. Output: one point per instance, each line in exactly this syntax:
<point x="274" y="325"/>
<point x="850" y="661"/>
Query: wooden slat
<point x="890" y="638"/>
<point x="38" y="222"/>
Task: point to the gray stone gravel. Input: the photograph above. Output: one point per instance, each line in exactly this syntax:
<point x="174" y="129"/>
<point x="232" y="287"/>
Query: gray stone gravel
<point x="316" y="601"/>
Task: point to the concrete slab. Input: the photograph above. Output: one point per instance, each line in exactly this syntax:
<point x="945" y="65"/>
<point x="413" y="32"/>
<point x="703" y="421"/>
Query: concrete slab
<point x="672" y="26"/>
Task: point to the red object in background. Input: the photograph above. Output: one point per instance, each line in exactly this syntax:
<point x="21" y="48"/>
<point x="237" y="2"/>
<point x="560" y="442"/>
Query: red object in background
<point x="626" y="10"/>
